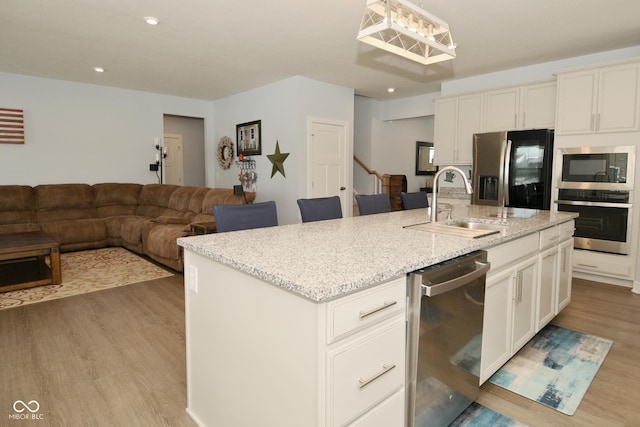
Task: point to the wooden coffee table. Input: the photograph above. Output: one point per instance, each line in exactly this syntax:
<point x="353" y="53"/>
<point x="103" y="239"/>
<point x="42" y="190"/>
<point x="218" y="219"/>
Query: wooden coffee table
<point x="22" y="260"/>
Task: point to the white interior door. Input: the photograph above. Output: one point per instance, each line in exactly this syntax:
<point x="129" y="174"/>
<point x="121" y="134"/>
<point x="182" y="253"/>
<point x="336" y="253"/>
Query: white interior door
<point x="173" y="163"/>
<point x="328" y="160"/>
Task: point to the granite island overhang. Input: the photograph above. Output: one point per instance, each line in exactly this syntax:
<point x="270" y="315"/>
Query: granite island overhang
<point x="325" y="260"/>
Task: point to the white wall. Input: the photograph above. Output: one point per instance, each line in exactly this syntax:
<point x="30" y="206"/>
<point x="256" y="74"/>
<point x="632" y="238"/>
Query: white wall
<point x="283" y="108"/>
<point x="395" y="147"/>
<point x="85" y="133"/>
<point x="367" y="112"/>
<point x="389" y="147"/>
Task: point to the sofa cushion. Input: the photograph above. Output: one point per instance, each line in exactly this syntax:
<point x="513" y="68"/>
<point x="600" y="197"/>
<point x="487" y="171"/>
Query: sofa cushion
<point x="220" y="196"/>
<point x="132" y="230"/>
<point x="154" y="200"/>
<point x="181" y="199"/>
<point x="161" y="240"/>
<point x="195" y="204"/>
<point x="116" y="199"/>
<point x="165" y="219"/>
<point x="77" y="234"/>
<point x="56" y="202"/>
<point x="17" y="205"/>
<point x="19" y="228"/>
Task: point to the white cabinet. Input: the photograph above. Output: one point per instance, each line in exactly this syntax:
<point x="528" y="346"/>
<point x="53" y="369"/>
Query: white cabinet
<point x="502" y="109"/>
<point x="457" y="119"/>
<point x="531" y="106"/>
<point x="528" y="284"/>
<point x="554" y="288"/>
<point x="565" y="253"/>
<point x="599" y="100"/>
<point x="298" y="362"/>
<point x="497" y="324"/>
<point x="525" y="280"/>
<point x="366" y="356"/>
<point x="510" y="301"/>
<point x="548" y="286"/>
<point x="538" y="106"/>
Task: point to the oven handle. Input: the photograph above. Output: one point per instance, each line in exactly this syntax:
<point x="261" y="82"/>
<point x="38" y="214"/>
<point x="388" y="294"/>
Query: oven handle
<point x="595" y="204"/>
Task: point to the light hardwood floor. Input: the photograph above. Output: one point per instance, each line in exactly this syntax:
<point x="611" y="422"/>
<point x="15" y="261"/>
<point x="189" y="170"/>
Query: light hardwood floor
<point x="109" y="358"/>
<point x="613" y="398"/>
<point x="117" y="358"/>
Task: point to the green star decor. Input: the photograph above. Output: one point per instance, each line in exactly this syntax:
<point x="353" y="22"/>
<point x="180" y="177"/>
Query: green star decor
<point x="277" y="159"/>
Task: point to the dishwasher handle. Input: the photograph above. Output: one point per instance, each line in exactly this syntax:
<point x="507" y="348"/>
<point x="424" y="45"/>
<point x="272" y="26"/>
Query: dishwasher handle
<point x="481" y="269"/>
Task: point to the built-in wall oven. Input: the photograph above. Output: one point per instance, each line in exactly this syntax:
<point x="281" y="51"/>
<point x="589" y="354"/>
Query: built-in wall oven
<point x="597" y="183"/>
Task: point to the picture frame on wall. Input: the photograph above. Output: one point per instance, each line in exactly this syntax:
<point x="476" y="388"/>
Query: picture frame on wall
<point x="424" y="158"/>
<point x="249" y="138"/>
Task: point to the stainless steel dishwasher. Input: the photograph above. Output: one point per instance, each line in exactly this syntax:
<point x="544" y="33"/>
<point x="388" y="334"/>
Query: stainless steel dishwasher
<point x="444" y="339"/>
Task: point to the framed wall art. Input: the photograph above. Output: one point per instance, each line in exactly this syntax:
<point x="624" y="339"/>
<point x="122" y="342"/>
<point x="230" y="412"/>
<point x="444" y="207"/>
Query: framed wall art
<point x="249" y="138"/>
<point x="424" y="158"/>
<point x="11" y="126"/>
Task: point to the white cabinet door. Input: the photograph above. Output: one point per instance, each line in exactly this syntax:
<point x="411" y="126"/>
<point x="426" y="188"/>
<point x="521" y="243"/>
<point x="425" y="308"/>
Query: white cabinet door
<point x="538" y="106"/>
<point x="565" y="252"/>
<point x="444" y="133"/>
<point x="576" y="102"/>
<point x="501" y="110"/>
<point x="601" y="100"/>
<point x="524" y="302"/>
<point x="618" y="99"/>
<point x="547" y="287"/>
<point x="496" y="330"/>
<point x="470" y="113"/>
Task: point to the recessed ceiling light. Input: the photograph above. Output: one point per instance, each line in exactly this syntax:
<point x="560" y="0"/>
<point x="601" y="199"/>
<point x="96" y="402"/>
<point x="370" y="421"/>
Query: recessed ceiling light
<point x="391" y="90"/>
<point x="151" y="20"/>
<point x="98" y="69"/>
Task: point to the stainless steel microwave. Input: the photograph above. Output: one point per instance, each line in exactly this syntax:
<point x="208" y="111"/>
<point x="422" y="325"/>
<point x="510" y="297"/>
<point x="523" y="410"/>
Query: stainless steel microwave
<point x="597" y="168"/>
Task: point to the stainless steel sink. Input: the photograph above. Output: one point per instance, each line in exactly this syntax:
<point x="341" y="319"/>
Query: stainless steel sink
<point x="475" y="225"/>
<point x="461" y="228"/>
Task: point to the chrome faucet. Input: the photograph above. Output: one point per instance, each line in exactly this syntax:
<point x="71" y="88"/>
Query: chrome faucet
<point x="434" y="201"/>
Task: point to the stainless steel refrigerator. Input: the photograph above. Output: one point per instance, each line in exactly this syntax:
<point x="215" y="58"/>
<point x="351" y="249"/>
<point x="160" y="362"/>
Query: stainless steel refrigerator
<point x="513" y="169"/>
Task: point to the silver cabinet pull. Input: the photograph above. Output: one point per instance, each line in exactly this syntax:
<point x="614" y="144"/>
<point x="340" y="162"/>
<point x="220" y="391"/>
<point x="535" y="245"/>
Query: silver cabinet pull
<point x="387" y="304"/>
<point x="385" y="368"/>
<point x="588" y="265"/>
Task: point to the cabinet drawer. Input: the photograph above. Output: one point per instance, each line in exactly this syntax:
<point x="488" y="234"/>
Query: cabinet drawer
<point x="355" y="312"/>
<point x="508" y="253"/>
<point x="549" y="237"/>
<point x="366" y="371"/>
<point x="601" y="264"/>
<point x="389" y="413"/>
<point x="567" y="229"/>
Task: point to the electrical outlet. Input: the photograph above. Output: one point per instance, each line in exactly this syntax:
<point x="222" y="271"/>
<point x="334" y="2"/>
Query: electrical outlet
<point x="193" y="278"/>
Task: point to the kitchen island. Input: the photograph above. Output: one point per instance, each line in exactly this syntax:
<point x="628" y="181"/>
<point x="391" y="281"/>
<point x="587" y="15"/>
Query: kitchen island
<point x="304" y="324"/>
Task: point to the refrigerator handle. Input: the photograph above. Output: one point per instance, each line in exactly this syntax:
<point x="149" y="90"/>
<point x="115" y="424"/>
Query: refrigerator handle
<point x="507" y="166"/>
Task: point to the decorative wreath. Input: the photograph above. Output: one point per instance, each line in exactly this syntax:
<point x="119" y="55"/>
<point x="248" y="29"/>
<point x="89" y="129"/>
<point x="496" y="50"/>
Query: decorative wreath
<point x="225" y="152"/>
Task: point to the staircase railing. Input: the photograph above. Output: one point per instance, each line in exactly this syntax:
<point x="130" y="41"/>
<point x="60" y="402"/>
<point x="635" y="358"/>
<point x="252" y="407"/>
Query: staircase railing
<point x="377" y="178"/>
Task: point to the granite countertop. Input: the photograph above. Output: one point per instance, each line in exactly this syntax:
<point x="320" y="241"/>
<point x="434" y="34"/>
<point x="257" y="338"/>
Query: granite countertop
<point x="324" y="260"/>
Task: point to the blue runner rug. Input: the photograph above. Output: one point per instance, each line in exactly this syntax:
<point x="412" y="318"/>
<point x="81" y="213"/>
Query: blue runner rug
<point x="555" y="368"/>
<point x="477" y="415"/>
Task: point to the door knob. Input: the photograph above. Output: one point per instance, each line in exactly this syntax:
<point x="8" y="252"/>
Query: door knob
<point x="343" y="188"/>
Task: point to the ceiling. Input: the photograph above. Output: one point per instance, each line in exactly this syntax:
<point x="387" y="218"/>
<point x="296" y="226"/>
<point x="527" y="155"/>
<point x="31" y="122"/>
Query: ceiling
<point x="210" y="49"/>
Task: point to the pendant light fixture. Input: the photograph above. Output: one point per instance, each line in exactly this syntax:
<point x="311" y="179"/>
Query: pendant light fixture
<point x="401" y="27"/>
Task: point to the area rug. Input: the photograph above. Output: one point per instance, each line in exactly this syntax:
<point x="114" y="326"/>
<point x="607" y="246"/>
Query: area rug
<point x="477" y="415"/>
<point x="555" y="368"/>
<point x="89" y="271"/>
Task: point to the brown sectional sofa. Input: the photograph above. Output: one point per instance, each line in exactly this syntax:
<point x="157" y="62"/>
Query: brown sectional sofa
<point x="146" y="219"/>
